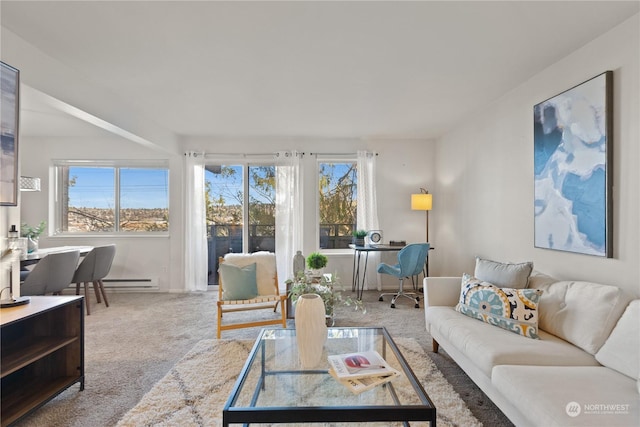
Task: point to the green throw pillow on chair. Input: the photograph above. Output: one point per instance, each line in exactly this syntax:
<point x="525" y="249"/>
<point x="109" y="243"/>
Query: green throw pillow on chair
<point x="238" y="283"/>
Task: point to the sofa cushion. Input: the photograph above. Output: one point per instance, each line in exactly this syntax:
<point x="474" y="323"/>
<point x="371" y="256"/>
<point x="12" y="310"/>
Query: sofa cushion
<point x="569" y="396"/>
<point x="512" y="309"/>
<point x="503" y="274"/>
<point x="489" y="346"/>
<point x="582" y="313"/>
<point x="238" y="283"/>
<point x="621" y="351"/>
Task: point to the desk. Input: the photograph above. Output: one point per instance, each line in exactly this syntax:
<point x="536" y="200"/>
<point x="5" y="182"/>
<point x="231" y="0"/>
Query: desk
<point x="35" y="256"/>
<point x="357" y="285"/>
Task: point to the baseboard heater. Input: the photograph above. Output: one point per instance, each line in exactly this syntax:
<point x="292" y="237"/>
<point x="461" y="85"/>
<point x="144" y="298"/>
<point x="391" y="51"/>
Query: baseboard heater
<point x="134" y="285"/>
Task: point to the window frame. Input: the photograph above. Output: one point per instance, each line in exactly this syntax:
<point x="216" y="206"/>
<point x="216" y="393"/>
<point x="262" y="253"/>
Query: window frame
<point x="58" y="191"/>
<point x="245" y="163"/>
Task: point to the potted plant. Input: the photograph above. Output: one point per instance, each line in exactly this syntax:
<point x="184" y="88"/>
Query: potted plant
<point x="358" y="237"/>
<point x="316" y="261"/>
<point x="32" y="233"/>
<point x="329" y="289"/>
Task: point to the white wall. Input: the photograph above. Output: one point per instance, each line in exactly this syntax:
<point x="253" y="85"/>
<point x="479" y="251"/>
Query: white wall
<point x="402" y="168"/>
<point x="485" y="172"/>
<point x="140" y="257"/>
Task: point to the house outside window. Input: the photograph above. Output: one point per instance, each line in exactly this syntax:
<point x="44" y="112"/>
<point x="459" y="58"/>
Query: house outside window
<point x="337" y="203"/>
<point x="96" y="197"/>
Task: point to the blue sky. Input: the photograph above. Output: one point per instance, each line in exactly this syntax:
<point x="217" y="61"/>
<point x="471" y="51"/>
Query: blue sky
<point x="140" y="188"/>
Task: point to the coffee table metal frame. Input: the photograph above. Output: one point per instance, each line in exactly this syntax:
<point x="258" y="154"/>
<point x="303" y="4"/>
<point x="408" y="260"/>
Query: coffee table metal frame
<point x="233" y="414"/>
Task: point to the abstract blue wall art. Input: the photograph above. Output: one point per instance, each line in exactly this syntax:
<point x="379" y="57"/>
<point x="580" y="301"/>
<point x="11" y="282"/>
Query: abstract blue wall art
<point x="573" y="169"/>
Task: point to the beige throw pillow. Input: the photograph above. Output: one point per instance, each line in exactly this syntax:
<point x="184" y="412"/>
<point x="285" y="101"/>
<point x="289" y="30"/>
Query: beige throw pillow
<point x="582" y="313"/>
<point x="621" y="351"/>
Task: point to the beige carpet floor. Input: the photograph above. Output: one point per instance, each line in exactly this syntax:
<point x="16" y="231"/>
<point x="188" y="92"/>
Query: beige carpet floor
<point x="134" y="343"/>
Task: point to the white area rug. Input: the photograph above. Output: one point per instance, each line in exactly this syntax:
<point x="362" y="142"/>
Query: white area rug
<point x="194" y="392"/>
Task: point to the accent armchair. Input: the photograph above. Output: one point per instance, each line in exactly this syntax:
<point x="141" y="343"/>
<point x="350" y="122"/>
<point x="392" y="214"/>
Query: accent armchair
<point x="249" y="282"/>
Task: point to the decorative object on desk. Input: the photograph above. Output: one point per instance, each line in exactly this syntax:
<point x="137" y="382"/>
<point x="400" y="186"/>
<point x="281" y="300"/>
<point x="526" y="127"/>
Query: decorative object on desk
<point x="358" y="237"/>
<point x="298" y="263"/>
<point x="28" y="183"/>
<point x="32" y="234"/>
<point x="397" y="243"/>
<point x="316" y="262"/>
<point x="330" y="290"/>
<point x="13" y="233"/>
<point x="311" y="329"/>
<point x="573" y="158"/>
<point x="375" y="237"/>
<point x="422" y="201"/>
<point x="15" y="242"/>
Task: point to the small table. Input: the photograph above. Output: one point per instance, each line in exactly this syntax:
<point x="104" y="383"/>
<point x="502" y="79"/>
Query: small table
<point x="274" y="388"/>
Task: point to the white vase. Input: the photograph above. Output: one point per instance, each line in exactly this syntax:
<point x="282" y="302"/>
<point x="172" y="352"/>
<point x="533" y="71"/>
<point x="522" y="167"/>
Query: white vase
<point x="311" y="329"/>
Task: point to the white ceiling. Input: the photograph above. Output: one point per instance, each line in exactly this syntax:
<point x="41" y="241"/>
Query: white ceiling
<point x="312" y="69"/>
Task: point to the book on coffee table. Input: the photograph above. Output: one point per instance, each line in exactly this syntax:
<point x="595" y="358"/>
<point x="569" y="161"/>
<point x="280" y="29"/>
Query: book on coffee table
<point x="358" y="365"/>
<point x="359" y="385"/>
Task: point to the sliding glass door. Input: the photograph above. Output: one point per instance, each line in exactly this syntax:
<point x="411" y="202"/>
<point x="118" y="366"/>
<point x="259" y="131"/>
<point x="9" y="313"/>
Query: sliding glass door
<point x="240" y="210"/>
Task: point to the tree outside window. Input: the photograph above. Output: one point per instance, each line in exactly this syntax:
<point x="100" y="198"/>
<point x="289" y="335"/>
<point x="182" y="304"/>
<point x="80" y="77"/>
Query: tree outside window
<point x="337" y="186"/>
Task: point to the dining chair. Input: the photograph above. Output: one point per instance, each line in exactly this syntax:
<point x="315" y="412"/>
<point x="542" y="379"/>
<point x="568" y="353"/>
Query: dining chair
<point x="411" y="261"/>
<point x="93" y="268"/>
<point x="51" y="274"/>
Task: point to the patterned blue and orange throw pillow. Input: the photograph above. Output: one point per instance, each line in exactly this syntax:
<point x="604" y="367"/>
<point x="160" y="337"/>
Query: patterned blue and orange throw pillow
<point x="515" y="310"/>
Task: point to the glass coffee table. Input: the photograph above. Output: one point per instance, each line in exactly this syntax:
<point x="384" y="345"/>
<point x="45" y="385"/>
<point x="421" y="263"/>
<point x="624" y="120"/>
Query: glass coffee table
<point x="273" y="387"/>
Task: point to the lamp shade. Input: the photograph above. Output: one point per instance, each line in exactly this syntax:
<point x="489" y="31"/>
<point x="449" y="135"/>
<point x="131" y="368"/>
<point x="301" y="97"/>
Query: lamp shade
<point x="28" y="183"/>
<point x="421" y="202"/>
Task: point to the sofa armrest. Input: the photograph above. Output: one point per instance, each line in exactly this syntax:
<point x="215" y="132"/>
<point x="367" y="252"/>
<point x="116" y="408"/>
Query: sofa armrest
<point x="441" y="291"/>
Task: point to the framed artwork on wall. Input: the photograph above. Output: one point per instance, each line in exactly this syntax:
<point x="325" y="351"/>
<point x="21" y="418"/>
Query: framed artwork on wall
<point x="9" y="110"/>
<point x="572" y="139"/>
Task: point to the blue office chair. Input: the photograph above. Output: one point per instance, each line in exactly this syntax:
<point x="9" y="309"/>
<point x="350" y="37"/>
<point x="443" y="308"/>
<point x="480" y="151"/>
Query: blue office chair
<point x="411" y="261"/>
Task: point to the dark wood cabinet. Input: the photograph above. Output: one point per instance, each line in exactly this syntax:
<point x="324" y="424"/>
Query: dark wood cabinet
<point x="42" y="352"/>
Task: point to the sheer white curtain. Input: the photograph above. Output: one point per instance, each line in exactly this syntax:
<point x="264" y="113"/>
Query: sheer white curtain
<point x="195" y="233"/>
<point x="288" y="213"/>
<point x="367" y="213"/>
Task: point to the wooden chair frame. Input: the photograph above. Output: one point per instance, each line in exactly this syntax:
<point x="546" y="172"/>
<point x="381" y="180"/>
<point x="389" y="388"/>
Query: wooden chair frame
<point x="261" y="302"/>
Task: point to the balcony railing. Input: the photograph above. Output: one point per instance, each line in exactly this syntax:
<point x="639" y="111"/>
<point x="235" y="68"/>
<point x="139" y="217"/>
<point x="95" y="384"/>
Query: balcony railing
<point x="226" y="238"/>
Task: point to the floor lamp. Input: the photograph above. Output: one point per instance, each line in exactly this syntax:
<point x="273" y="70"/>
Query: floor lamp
<point x="422" y="202"/>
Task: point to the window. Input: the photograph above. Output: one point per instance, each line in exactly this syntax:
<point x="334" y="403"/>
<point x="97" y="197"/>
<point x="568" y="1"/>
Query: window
<point x="112" y="197"/>
<point x="337" y="185"/>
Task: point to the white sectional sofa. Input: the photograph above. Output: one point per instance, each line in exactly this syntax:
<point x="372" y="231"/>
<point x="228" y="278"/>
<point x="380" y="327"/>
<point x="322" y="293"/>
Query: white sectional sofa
<point x="582" y="371"/>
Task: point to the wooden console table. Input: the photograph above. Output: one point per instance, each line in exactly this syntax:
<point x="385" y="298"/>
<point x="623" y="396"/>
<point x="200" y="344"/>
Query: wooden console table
<point x="42" y="352"/>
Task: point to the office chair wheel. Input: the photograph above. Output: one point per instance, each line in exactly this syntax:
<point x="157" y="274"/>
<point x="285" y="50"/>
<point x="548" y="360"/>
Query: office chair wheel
<point x="380" y="299"/>
<point x="393" y="306"/>
<point x="417" y="306"/>
<point x="417" y="298"/>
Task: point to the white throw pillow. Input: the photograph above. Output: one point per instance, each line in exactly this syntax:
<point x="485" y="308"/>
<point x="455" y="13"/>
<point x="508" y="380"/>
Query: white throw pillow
<point x="621" y="351"/>
<point x="502" y="274"/>
<point x="582" y="313"/>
